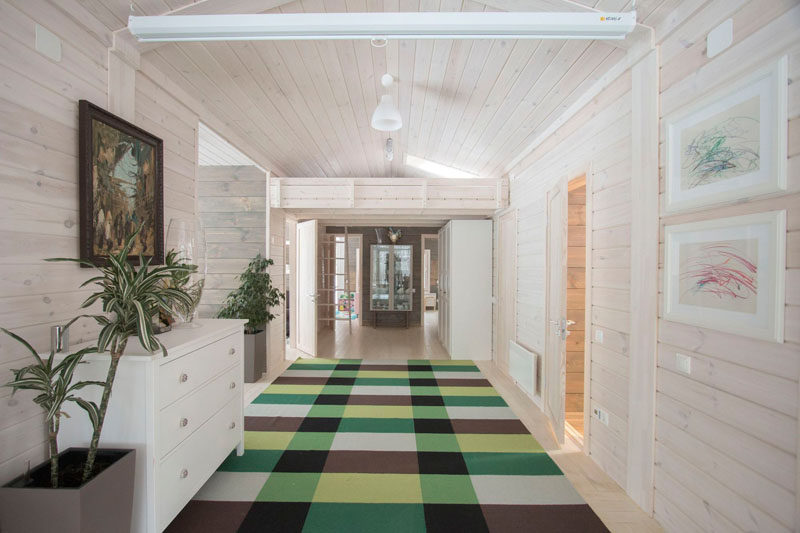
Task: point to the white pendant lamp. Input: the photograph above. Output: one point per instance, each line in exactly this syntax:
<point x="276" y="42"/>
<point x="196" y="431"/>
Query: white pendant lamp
<point x="386" y="116"/>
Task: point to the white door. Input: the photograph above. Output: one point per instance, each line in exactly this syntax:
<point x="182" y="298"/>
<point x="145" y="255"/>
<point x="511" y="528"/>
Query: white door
<point x="506" y="286"/>
<point x="555" y="353"/>
<point x="306" y="270"/>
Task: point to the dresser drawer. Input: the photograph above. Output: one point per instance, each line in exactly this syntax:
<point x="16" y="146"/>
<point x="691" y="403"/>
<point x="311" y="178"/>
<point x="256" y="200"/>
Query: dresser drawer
<point x="182" y="418"/>
<point x="180" y="377"/>
<point x="183" y="472"/>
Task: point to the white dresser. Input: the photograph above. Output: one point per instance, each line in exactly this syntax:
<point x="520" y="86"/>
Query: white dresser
<point x="182" y="413"/>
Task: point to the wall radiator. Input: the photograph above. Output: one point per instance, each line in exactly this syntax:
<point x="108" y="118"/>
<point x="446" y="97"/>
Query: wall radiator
<point x="523" y="367"/>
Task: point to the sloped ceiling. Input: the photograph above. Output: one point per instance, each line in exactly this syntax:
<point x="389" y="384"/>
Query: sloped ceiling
<point x="307" y="104"/>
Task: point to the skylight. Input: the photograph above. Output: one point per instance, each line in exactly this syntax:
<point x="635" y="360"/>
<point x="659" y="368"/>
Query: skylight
<point x="439" y="169"/>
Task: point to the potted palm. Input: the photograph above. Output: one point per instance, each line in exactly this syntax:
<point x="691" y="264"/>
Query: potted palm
<point x="252" y="302"/>
<point x="131" y="297"/>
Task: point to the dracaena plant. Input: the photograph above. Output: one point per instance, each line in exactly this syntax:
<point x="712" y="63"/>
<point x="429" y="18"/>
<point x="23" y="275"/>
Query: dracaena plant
<point x="55" y="386"/>
<point x="130" y="298"/>
<point x="254" y="297"/>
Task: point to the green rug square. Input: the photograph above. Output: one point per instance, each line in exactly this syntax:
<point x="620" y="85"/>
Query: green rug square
<point x="473" y="442"/>
<point x="364" y="518"/>
<point x="251" y="461"/>
<point x="382" y="382"/>
<point x="337" y="389"/>
<point x="326" y="411"/>
<point x="421" y="390"/>
<point x="376" y="425"/>
<point x="300" y="399"/>
<point x="344" y="373"/>
<point x="368" y="488"/>
<point x="446" y="488"/>
<point x="510" y="464"/>
<point x="437" y="442"/>
<point x="267" y="440"/>
<point x="310" y="440"/>
<point x="292" y="389"/>
<point x="312" y="366"/>
<point x="474" y="401"/>
<point x="440" y="366"/>
<point x="421" y="374"/>
<point x="468" y="391"/>
<point x="430" y="411"/>
<point x="378" y="411"/>
<point x="288" y="487"/>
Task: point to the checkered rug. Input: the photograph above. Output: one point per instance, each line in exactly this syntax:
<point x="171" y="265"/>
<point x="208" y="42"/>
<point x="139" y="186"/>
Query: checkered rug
<point x="354" y="445"/>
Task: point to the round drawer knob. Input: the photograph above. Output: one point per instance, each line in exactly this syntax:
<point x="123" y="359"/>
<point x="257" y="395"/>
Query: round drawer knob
<point x="232" y="351"/>
<point x="232" y="426"/>
<point x="184" y="473"/>
<point x="184" y="377"/>
<point x="233" y="385"/>
<point x="184" y="422"/>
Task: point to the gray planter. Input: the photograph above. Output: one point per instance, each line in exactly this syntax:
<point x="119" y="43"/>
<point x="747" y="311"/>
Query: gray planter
<point x="103" y="505"/>
<point x="255" y="356"/>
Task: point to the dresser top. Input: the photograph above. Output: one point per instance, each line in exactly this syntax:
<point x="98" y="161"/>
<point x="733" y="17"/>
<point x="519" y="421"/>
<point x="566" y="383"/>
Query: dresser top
<point x="179" y="341"/>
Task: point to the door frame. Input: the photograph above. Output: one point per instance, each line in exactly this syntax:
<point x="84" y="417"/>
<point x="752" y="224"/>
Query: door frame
<point x="510" y="306"/>
<point x="423" y="237"/>
<point x="316" y="287"/>
<point x="559" y="188"/>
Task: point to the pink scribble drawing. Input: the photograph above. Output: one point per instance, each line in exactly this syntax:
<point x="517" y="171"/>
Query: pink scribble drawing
<point x="719" y="270"/>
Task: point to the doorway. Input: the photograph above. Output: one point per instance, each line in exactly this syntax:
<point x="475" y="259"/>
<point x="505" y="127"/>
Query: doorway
<point x="567" y="267"/>
<point x="430" y="283"/>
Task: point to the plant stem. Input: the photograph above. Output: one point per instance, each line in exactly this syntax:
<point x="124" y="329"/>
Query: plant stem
<point x="116" y="355"/>
<point x="52" y="437"/>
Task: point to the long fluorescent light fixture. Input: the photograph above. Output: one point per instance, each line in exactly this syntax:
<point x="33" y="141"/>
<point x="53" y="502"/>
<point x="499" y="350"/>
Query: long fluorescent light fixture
<point x="439" y="169"/>
<point x="414" y="25"/>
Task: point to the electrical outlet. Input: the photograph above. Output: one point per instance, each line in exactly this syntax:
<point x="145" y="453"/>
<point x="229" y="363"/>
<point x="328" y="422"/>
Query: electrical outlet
<point x="601" y="415"/>
<point x="598" y="336"/>
<point x="683" y="362"/>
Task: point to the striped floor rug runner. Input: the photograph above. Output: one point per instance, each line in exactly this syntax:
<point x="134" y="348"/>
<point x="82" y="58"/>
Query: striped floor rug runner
<point x="354" y="445"/>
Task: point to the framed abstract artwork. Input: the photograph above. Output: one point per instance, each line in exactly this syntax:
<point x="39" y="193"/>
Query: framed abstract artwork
<point x="727" y="274"/>
<point x="731" y="145"/>
<point x="121" y="187"/>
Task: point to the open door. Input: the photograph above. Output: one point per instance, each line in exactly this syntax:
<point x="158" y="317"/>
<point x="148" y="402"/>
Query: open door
<point x="555" y="352"/>
<point x="306" y="270"/>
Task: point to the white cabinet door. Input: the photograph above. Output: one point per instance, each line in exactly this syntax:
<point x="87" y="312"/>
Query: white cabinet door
<point x="307" y="287"/>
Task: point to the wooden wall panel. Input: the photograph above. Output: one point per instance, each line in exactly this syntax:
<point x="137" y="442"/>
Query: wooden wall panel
<point x="726" y="434"/>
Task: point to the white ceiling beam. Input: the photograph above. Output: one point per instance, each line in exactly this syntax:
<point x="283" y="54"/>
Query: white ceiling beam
<point x="419" y="25"/>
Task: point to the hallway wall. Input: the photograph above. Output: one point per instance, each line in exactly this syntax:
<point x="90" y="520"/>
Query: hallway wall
<point x="39" y="178"/>
<point x="726" y="436"/>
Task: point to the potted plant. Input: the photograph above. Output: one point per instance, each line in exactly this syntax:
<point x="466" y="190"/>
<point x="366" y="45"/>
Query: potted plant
<point x="131" y="297"/>
<point x="252" y="302"/>
<point x="51" y="492"/>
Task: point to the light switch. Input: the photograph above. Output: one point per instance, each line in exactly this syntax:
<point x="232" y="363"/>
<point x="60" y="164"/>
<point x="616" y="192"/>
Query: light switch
<point x="598" y="336"/>
<point x="601" y="415"/>
<point x="683" y="362"/>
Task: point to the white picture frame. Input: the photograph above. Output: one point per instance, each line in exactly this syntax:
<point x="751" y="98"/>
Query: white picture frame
<point x="727" y="274"/>
<point x="730" y="145"/>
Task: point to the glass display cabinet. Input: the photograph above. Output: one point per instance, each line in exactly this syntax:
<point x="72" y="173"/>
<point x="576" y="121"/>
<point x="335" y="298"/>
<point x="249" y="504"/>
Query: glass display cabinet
<point x="391" y="275"/>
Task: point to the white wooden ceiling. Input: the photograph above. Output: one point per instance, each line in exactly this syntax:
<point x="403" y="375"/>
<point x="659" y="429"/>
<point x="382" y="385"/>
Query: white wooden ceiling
<point x="307" y="104"/>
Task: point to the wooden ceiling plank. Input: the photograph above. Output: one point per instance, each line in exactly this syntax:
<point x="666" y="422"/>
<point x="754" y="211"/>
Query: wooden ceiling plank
<point x="477" y="118"/>
<point x="393" y="68"/>
<point x="379" y="68"/>
<point x="573" y="88"/>
<point x="568" y="69"/>
<point x="244" y="67"/>
<point x="175" y="64"/>
<point x="405" y="86"/>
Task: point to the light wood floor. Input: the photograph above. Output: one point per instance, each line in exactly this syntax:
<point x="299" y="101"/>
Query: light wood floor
<point x="361" y="342"/>
<point x="607" y="499"/>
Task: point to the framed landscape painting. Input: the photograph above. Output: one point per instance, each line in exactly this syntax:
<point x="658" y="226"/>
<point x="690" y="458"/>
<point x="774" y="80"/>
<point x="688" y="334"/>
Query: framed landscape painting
<point x="731" y="145"/>
<point x="728" y="274"/>
<point x="121" y="187"/>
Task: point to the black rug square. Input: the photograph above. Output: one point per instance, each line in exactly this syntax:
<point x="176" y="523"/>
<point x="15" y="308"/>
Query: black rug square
<point x="332" y="399"/>
<point x="302" y="461"/>
<point x="283" y="517"/>
<point x="320" y="425"/>
<point x="464" y="518"/>
<point x="423" y="382"/>
<point x="442" y="463"/>
<point x="433" y="425"/>
<point x="427" y="400"/>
